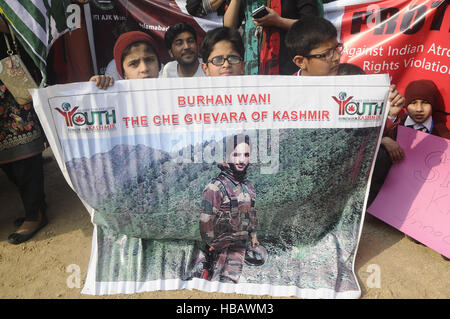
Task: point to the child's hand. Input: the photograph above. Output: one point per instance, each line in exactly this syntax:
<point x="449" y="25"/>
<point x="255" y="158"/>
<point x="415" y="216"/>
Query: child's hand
<point x="396" y="101"/>
<point x="102" y="81"/>
<point x="394" y="150"/>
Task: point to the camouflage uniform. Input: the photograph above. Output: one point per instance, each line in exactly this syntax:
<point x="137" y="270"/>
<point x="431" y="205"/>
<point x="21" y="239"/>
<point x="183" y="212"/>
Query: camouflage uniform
<point x="227" y="219"/>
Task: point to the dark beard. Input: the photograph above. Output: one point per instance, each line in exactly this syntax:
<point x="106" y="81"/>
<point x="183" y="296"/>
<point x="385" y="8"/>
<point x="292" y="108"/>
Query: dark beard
<point x="238" y="175"/>
<point x="187" y="64"/>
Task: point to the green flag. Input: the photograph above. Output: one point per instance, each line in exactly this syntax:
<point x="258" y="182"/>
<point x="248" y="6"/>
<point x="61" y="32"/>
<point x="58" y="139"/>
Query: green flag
<point x="36" y="24"/>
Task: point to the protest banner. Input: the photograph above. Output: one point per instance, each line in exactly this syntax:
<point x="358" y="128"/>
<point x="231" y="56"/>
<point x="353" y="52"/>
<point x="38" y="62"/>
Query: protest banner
<point x="144" y="154"/>
<point x="409" y="40"/>
<point x="415" y="196"/>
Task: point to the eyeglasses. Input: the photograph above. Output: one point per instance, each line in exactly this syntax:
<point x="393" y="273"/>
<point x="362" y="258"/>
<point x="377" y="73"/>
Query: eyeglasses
<point x="329" y="54"/>
<point x="220" y="60"/>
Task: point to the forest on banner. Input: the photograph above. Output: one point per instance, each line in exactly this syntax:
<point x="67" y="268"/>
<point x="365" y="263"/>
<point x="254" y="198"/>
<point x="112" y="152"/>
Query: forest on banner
<point x="152" y="194"/>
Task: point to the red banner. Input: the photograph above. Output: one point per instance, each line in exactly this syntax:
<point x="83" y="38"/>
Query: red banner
<point x="407" y="39"/>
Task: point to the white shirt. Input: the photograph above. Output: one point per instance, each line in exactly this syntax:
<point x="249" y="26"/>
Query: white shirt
<point x="112" y="71"/>
<point x="171" y="70"/>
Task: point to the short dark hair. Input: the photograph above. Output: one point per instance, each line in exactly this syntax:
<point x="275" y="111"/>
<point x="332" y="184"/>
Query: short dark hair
<point x="221" y="34"/>
<point x="308" y="33"/>
<point x="177" y="29"/>
<point x="349" y="69"/>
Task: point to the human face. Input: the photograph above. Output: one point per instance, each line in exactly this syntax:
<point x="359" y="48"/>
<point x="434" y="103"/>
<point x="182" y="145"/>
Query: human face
<point x="184" y="49"/>
<point x="225" y="49"/>
<point x="240" y="157"/>
<point x="419" y="110"/>
<point x="314" y="66"/>
<point x="140" y="63"/>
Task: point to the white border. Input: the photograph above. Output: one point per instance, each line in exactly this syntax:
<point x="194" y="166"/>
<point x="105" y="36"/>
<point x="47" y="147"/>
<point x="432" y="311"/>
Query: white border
<point x="131" y="287"/>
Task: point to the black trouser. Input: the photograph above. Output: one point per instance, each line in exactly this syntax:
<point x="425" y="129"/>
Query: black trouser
<point x="383" y="164"/>
<point x="28" y="176"/>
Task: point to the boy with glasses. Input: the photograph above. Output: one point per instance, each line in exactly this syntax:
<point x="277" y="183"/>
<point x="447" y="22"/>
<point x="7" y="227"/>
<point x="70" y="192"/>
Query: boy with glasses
<point x="222" y="52"/>
<point x="312" y="43"/>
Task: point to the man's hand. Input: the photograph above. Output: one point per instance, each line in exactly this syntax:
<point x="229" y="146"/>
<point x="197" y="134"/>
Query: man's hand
<point x="255" y="241"/>
<point x="273" y="19"/>
<point x="102" y="81"/>
<point x="394" y="150"/>
<point x="396" y="101"/>
<point x="269" y="20"/>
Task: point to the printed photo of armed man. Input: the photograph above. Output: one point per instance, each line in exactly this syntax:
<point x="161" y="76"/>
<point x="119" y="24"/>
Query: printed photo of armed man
<point x="228" y="217"/>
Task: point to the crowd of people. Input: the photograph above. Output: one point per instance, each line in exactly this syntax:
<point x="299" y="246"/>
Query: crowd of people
<point x="296" y="40"/>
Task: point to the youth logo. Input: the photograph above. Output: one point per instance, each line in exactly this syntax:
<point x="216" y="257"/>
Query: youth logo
<point x="67" y="113"/>
<point x="87" y="120"/>
<point x="351" y="109"/>
<point x="342" y="102"/>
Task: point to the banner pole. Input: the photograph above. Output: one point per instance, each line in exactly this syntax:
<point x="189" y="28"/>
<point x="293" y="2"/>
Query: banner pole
<point x="90" y="32"/>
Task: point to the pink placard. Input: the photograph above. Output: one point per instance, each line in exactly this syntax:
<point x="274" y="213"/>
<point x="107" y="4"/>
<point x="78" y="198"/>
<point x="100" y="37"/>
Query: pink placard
<point x="415" y="197"/>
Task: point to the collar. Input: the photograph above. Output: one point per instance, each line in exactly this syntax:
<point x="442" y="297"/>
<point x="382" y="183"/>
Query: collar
<point x="428" y="123"/>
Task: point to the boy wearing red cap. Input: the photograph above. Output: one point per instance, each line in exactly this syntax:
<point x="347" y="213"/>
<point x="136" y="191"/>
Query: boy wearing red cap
<point x="135" y="57"/>
<point x="421" y="97"/>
